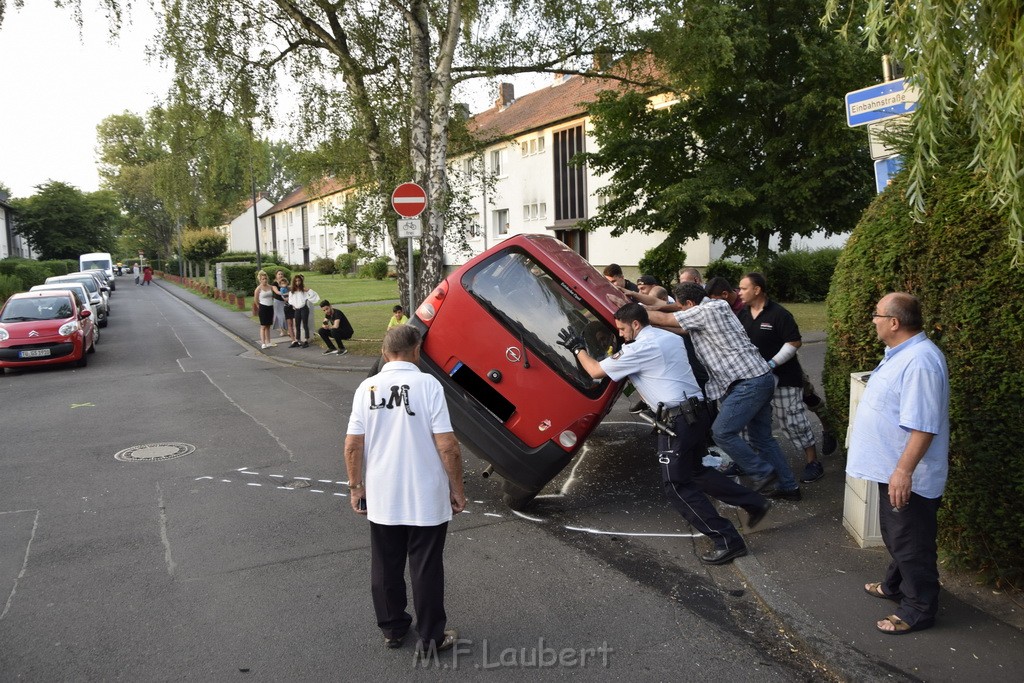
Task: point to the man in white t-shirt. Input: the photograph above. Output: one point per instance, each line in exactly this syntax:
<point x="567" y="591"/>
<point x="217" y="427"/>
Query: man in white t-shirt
<point x="405" y="473"/>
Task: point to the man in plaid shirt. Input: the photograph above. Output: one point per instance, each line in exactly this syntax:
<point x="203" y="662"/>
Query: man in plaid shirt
<point x="742" y="382"/>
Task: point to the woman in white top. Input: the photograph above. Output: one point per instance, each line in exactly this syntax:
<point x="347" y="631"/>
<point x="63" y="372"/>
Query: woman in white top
<point x="298" y="295"/>
<point x="264" y="296"/>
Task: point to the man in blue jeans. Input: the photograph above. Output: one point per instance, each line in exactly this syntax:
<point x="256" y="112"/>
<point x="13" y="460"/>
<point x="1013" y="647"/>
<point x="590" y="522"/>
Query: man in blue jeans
<point x="741" y="381"/>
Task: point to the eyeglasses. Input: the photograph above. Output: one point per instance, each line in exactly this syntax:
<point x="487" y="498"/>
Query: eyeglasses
<point x="879" y="315"/>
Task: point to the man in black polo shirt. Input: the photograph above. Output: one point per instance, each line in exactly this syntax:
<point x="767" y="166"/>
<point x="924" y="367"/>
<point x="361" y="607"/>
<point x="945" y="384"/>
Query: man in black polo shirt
<point x="776" y="335"/>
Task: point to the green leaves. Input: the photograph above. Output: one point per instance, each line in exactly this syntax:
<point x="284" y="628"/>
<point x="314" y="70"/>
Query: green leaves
<point x="757" y="145"/>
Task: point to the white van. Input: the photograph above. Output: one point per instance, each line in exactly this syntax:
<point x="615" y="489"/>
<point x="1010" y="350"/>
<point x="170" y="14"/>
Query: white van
<point x="99" y="261"/>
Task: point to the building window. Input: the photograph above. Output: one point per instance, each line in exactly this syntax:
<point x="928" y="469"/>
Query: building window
<point x="501" y="222"/>
<point x="497" y="157"/>
<point x="570" y="180"/>
<point x="532" y="146"/>
<point x="472" y="226"/>
<point x="526" y="212"/>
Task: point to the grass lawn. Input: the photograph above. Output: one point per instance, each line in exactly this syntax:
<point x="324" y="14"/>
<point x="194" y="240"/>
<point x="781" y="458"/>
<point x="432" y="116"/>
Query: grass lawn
<point x="810" y="317"/>
<point x="341" y="290"/>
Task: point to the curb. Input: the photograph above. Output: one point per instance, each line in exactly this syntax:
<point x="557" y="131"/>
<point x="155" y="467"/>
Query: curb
<point x="839" y="659"/>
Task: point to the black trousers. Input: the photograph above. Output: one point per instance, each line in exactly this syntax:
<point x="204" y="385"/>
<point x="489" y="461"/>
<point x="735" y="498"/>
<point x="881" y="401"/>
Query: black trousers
<point x="688" y="482"/>
<point x="910" y="536"/>
<point x="424" y="546"/>
<point x="328" y="335"/>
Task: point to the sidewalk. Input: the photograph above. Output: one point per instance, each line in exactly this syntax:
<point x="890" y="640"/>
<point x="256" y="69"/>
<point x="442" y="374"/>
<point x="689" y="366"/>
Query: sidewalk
<point x="805" y="568"/>
<point x="246" y="330"/>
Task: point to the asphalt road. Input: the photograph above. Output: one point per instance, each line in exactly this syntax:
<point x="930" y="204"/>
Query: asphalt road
<point x="242" y="558"/>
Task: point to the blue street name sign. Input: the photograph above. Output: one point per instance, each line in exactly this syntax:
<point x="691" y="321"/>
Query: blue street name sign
<point x="880" y="102"/>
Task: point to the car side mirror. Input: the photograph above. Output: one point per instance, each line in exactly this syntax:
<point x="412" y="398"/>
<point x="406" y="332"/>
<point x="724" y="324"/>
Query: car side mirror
<point x="85" y="313"/>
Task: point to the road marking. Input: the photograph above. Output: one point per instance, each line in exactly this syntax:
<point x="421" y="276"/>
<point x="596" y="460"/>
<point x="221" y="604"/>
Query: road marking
<point x="601" y="532"/>
<point x="83" y="405"/>
<point x="24" y="562"/>
<point x="252" y="483"/>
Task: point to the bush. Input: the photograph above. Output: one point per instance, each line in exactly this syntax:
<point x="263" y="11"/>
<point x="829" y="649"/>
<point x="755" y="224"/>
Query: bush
<point x="240" y="279"/>
<point x="60" y="266"/>
<point x="9" y="284"/>
<point x="958" y="262"/>
<point x="663" y="262"/>
<point x="31" y="273"/>
<point x="272" y="268"/>
<point x="730" y="270"/>
<point x="324" y="266"/>
<point x="347" y="263"/>
<point x="376" y="269"/>
<point x="801" y="275"/>
<point x="8" y="265"/>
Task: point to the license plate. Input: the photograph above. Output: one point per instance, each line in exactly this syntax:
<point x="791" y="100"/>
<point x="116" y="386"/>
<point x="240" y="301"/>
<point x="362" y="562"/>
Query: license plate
<point x="34" y="353"/>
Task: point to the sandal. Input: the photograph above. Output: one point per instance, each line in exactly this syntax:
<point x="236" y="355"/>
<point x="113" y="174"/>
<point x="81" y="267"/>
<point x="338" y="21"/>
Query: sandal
<point x="875" y="591"/>
<point x="900" y="627"/>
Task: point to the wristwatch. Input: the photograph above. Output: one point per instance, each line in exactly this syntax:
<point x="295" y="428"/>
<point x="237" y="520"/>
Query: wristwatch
<point x="772" y="364"/>
<point x="355" y="487"/>
<point x="576" y="352"/>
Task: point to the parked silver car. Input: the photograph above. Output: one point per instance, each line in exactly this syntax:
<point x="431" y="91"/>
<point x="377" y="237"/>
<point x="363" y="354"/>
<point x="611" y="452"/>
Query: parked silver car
<point x="96" y="294"/>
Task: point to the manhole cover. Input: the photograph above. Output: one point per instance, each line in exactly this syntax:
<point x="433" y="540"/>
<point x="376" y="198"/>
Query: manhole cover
<point x="153" y="452"/>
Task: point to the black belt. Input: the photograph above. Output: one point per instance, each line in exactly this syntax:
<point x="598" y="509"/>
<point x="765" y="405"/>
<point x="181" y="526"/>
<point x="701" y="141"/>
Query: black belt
<point x="669" y="413"/>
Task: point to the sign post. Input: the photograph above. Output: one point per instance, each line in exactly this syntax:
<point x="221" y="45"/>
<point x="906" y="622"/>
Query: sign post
<point x="409" y="200"/>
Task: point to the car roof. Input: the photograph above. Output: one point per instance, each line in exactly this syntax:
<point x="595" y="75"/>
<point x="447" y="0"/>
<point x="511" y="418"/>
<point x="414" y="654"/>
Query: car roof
<point x="38" y="294"/>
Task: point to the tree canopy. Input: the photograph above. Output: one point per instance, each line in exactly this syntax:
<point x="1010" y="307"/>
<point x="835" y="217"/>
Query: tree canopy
<point x="61" y="222"/>
<point x="966" y="57"/>
<point x="375" y="81"/>
<point x="178" y="164"/>
<point x="756" y="145"/>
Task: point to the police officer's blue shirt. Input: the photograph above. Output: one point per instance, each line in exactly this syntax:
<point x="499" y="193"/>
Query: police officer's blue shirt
<point x="909" y="390"/>
<point x="657" y="366"/>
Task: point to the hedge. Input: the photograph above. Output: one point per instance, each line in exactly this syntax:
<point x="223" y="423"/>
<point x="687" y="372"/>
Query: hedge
<point x="31" y="273"/>
<point x="793" y="276"/>
<point x="958" y="262"/>
<point x="241" y="278"/>
<point x="9" y="284"/>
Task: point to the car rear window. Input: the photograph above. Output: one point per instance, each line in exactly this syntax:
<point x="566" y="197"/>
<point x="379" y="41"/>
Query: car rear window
<point x="534" y="305"/>
<point x="55" y="307"/>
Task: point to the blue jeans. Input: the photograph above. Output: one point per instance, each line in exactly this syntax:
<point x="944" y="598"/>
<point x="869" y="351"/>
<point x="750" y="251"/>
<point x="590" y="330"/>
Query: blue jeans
<point x="749" y="404"/>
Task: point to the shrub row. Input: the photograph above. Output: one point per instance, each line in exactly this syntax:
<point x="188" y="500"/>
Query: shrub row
<point x="798" y="276"/>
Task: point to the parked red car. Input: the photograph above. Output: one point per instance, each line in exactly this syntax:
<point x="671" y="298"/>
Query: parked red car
<point x="517" y="399"/>
<point x="45" y="328"/>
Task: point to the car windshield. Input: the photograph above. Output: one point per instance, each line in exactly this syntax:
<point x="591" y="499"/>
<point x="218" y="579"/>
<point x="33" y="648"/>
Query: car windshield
<point x="535" y="306"/>
<point x="95" y="264"/>
<point x="43" y="308"/>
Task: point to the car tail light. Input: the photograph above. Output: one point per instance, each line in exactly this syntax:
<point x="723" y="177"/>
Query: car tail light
<point x="432" y="304"/>
<point x="570" y="437"/>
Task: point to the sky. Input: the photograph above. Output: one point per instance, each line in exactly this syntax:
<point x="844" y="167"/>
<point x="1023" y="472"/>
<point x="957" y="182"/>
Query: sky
<point x="58" y="84"/>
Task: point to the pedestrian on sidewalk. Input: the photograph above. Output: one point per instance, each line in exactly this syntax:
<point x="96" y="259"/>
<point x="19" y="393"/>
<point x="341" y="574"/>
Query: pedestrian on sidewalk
<point x="743" y="383"/>
<point x="774" y="332"/>
<point x="147" y="275"/>
<point x="405" y="474"/>
<point x="299" y="296"/>
<point x="900" y="439"/>
<point x="264" y="297"/>
<point x="655" y="362"/>
<point x="335" y="329"/>
<point x="137" y="272"/>
<point x="280" y="287"/>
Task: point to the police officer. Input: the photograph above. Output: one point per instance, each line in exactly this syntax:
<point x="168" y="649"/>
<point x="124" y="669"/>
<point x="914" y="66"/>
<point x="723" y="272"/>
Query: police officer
<point x="655" y="362"/>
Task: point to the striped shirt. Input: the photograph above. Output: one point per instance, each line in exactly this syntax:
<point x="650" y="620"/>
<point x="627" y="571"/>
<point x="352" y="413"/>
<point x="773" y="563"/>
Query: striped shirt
<point x="722" y="345"/>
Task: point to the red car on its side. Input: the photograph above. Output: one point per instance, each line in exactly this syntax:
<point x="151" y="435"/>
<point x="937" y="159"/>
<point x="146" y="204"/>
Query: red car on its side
<point x="45" y="328"/>
<point x="519" y="400"/>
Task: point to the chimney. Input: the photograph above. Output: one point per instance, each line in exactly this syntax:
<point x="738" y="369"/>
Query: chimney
<point x="460" y="111"/>
<point x="506" y="95"/>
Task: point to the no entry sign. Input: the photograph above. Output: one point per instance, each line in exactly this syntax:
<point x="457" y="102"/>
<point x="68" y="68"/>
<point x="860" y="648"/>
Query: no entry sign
<point x="409" y="200"/>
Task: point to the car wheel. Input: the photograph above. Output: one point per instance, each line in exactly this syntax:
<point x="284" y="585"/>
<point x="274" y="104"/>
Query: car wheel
<point x="95" y="334"/>
<point x="516" y="497"/>
<point x="83" y="361"/>
<point x="92" y="347"/>
<point x="103" y="323"/>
